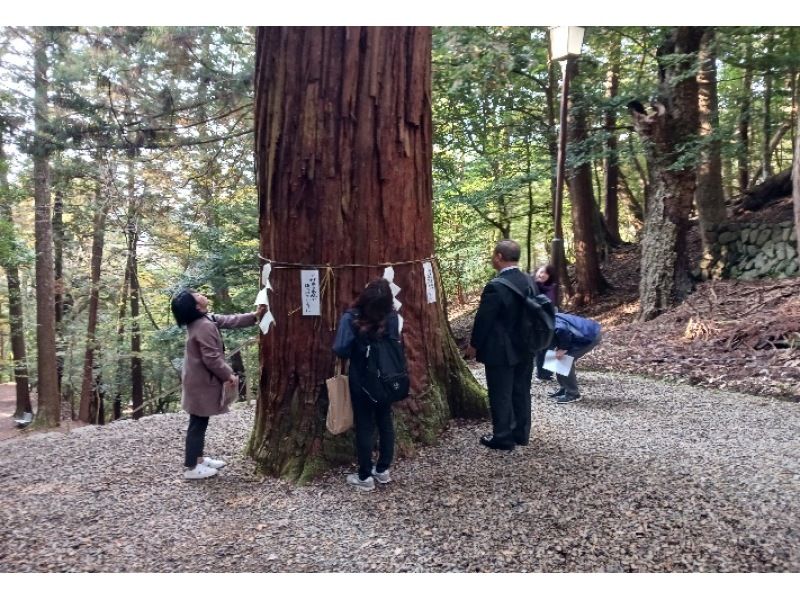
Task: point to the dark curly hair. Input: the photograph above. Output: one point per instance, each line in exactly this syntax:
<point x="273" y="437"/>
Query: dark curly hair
<point x="184" y="308"/>
<point x="373" y="305"/>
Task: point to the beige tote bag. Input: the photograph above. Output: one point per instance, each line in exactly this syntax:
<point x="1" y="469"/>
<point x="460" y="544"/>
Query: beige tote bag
<point x="340" y="409"/>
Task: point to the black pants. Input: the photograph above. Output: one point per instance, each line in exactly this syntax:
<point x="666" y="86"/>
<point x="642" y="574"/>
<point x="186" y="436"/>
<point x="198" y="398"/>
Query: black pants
<point x="542" y="373"/>
<point x="195" y="439"/>
<point x="366" y="415"/>
<point x="510" y="401"/>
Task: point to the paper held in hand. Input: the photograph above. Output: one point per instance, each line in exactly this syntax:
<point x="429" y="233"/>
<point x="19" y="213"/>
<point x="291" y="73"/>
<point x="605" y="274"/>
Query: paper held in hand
<point x="230" y="392"/>
<point x="559" y="366"/>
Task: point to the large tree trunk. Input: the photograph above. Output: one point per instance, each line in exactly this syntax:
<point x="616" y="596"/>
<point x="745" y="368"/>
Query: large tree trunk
<point x="588" y="279"/>
<point x="16" y="319"/>
<point x="49" y="400"/>
<point x="744" y="121"/>
<point x="343" y="157"/>
<point x="665" y="279"/>
<point x="91" y="407"/>
<point x="709" y="196"/>
<point x="611" y="214"/>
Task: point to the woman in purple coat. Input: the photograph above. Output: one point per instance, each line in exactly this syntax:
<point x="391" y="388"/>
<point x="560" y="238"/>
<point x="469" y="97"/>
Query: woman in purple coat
<point x="546" y="282"/>
<point x="204" y="373"/>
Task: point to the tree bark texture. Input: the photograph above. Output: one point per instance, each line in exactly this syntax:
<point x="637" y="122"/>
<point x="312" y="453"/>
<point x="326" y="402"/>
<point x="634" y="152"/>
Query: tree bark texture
<point x="665" y="279"/>
<point x="91" y="406"/>
<point x="49" y="400"/>
<point x="16" y="319"/>
<point x="588" y="279"/>
<point x="709" y="196"/>
<point x="343" y="158"/>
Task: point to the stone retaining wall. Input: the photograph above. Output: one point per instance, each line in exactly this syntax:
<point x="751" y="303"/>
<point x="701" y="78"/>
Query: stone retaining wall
<point x="748" y="251"/>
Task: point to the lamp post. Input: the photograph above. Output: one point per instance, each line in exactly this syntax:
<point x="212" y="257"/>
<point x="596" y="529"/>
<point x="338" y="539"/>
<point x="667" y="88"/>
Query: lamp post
<point x="565" y="47"/>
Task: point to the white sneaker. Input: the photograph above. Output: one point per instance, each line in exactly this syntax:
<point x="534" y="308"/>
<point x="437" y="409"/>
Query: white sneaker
<point x="213" y="463"/>
<point x="367" y="485"/>
<point x="200" y="471"/>
<point x="382" y="478"/>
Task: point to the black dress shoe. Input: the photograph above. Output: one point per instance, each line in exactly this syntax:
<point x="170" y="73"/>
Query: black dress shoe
<point x="559" y="393"/>
<point x="489" y="441"/>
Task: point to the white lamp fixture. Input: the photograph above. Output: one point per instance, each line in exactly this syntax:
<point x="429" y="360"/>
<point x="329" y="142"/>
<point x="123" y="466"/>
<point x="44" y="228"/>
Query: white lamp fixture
<point x="565" y="42"/>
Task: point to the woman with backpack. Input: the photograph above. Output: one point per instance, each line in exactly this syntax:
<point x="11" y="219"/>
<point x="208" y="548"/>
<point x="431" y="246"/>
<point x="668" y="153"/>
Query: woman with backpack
<point x="204" y="373"/>
<point x="369" y="326"/>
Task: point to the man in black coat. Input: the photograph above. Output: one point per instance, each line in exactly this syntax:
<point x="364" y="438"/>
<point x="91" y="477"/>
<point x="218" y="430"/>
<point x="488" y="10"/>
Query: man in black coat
<point x="496" y="343"/>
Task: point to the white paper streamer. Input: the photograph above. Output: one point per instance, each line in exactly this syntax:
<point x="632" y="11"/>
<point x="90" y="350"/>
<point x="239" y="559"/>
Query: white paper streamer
<point x="265" y="272"/>
<point x="400" y="323"/>
<point x="397" y="304"/>
<point x="309" y="285"/>
<point x="388" y="274"/>
<point x="266" y="322"/>
<point x="261" y="298"/>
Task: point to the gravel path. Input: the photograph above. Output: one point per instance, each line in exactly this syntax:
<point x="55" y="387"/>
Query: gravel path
<point x="639" y="476"/>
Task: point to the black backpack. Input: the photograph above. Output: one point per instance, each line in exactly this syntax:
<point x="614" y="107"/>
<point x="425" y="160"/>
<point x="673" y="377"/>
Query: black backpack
<point x="385" y="379"/>
<point x="538" y="319"/>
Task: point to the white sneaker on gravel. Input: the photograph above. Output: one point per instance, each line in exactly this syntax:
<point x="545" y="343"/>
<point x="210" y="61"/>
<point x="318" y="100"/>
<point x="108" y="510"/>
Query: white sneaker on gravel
<point x="199" y="472"/>
<point x="213" y="463"/>
<point x="367" y="485"/>
<point x="381" y="478"/>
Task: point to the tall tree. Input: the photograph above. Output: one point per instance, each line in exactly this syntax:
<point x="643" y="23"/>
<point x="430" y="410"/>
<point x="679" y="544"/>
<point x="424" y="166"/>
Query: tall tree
<point x="709" y="196"/>
<point x="49" y="400"/>
<point x="665" y="279"/>
<point x="91" y="406"/>
<point x="137" y="382"/>
<point x="589" y="280"/>
<point x="343" y="156"/>
<point x="9" y="257"/>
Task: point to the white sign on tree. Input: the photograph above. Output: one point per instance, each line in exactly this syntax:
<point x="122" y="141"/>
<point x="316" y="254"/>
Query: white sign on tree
<point x="309" y="284"/>
<point x="430" y="283"/>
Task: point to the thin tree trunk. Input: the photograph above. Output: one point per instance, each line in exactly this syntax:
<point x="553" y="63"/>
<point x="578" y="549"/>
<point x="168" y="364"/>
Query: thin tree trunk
<point x="91" y="408"/>
<point x="49" y="399"/>
<point x="634" y="206"/>
<point x="611" y="212"/>
<point x="744" y="121"/>
<point x="588" y="279"/>
<point x="58" y="259"/>
<point x="16" y="319"/>
<point x="665" y="279"/>
<point x="137" y="384"/>
<point x="796" y="189"/>
<point x="709" y="196"/>
<point x="529" y="227"/>
<point x="121" y="362"/>
<point x="766" y="158"/>
<point x="343" y="157"/>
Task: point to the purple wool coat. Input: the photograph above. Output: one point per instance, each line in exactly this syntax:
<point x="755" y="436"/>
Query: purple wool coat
<point x="204" y="367"/>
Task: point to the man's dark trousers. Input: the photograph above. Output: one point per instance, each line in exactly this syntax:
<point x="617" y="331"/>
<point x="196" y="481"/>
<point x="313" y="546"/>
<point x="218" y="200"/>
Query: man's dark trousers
<point x="510" y="400"/>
